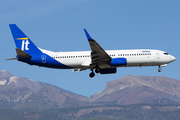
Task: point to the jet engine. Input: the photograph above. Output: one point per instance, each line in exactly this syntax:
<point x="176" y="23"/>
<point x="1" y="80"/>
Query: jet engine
<point x="118" y="61"/>
<point x="108" y="71"/>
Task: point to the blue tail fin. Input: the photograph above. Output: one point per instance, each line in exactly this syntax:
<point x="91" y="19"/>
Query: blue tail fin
<point x="22" y="41"/>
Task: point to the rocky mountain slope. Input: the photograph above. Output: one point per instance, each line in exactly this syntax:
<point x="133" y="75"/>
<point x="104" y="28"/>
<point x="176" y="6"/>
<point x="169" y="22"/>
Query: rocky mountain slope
<point x="22" y="93"/>
<point x="19" y="92"/>
<point x="7" y="78"/>
<point x="140" y="89"/>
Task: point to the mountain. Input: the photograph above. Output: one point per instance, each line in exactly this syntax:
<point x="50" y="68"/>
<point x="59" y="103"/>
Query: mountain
<point x="140" y="89"/>
<point x="19" y="92"/>
<point x="154" y="98"/>
<point x="7" y="78"/>
<point x="51" y="97"/>
<point x="23" y="93"/>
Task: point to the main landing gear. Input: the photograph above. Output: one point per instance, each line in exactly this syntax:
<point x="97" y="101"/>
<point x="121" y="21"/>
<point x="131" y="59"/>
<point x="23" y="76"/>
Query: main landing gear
<point x="97" y="70"/>
<point x="92" y="74"/>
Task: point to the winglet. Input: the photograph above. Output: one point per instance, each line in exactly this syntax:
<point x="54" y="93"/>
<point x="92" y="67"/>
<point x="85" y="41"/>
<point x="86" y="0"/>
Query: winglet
<point x="88" y="36"/>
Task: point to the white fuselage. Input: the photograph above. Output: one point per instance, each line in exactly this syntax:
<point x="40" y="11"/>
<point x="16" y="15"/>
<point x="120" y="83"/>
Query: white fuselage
<point x="137" y="57"/>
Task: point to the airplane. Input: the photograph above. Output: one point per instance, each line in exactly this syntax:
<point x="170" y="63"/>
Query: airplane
<point x="98" y="60"/>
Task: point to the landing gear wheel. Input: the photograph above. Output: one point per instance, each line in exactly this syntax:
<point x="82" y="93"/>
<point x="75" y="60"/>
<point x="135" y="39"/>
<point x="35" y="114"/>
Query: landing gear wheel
<point x="92" y="74"/>
<point x="97" y="70"/>
<point x="159" y="70"/>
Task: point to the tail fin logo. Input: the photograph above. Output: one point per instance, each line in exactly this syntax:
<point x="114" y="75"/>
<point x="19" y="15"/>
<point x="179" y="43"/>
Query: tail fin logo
<point x="25" y="43"/>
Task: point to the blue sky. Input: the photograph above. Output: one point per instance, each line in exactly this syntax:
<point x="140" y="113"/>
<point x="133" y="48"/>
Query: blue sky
<point x="58" y="25"/>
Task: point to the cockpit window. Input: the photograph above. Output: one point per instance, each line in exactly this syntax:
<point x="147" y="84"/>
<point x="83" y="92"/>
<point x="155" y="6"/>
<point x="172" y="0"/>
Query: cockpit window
<point x="166" y="53"/>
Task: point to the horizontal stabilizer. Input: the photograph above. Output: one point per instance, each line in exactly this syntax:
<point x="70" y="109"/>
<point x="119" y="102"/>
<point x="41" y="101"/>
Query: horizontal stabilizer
<point x="22" y="54"/>
<point x="12" y="59"/>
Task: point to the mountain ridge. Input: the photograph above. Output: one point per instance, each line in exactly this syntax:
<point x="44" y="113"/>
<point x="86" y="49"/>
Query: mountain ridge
<point x="122" y="89"/>
<point x="24" y="93"/>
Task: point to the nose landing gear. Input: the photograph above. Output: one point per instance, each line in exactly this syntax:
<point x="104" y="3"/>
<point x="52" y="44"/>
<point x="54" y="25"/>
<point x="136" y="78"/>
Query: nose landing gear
<point x="159" y="70"/>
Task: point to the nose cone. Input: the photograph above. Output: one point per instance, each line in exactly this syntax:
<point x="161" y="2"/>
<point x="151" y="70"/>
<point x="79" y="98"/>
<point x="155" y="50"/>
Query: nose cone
<point x="172" y="58"/>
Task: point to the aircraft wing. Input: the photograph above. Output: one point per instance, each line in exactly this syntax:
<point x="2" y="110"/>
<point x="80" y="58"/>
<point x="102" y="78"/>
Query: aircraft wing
<point x="98" y="54"/>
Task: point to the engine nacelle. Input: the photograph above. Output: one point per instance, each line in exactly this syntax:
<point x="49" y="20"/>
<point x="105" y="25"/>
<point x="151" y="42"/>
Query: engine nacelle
<point x="118" y="61"/>
<point x="108" y="71"/>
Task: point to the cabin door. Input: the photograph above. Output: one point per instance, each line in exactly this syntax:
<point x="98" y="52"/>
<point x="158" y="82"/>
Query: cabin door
<point x="158" y="56"/>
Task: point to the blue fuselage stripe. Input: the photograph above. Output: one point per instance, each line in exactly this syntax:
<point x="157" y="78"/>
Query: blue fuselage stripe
<point x="44" y="60"/>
